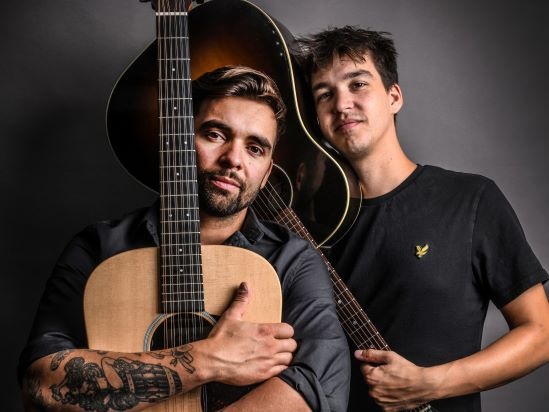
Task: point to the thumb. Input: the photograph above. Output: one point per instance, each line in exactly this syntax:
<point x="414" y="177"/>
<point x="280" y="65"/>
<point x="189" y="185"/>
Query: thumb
<point x="240" y="302"/>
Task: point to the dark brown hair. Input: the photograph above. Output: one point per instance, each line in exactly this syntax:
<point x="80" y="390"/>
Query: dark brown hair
<point x="239" y="81"/>
<point x="317" y="51"/>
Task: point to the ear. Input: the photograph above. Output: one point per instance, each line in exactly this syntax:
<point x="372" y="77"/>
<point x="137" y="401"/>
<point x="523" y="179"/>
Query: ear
<point x="267" y="174"/>
<point x="396" y="100"/>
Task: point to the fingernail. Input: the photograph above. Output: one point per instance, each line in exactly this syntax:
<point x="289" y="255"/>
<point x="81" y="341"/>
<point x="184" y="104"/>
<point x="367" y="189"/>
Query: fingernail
<point x="243" y="287"/>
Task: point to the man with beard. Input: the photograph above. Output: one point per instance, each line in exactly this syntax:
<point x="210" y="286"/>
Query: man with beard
<point x="238" y="116"/>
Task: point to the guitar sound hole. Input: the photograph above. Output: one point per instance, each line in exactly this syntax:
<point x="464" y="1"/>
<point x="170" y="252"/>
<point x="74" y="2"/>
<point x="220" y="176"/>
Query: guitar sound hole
<point x="180" y="329"/>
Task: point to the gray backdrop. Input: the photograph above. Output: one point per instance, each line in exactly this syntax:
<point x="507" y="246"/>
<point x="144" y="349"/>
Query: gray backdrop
<point x="474" y="81"/>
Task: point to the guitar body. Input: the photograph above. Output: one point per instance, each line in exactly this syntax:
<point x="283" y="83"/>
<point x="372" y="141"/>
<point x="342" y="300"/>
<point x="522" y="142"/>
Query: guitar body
<point x="236" y="32"/>
<point x="122" y="300"/>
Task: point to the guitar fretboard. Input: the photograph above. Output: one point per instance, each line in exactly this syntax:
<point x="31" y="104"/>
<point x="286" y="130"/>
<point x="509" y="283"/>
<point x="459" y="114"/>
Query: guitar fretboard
<point x="180" y="254"/>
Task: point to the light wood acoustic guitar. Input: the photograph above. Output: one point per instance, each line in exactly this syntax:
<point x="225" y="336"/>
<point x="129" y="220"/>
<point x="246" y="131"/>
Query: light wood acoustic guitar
<point x="156" y="298"/>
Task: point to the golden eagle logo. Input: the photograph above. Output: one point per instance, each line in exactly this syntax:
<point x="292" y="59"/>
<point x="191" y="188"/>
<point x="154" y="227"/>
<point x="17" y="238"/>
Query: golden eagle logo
<point x="421" y="250"/>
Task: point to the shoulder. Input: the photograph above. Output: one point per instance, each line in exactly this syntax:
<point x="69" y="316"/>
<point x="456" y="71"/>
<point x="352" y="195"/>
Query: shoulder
<point x="454" y="180"/>
<point x="103" y="239"/>
<point x="285" y="237"/>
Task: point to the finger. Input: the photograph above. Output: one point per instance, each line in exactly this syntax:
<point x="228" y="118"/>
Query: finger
<point x="277" y="330"/>
<point x="286" y="346"/>
<point x="366" y="369"/>
<point x="240" y="302"/>
<point x="379" y="357"/>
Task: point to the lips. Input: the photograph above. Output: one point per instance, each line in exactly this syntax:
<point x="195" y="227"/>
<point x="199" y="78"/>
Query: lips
<point x="346" y="124"/>
<point x="224" y="182"/>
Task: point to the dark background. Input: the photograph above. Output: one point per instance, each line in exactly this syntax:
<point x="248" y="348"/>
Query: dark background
<point x="474" y="76"/>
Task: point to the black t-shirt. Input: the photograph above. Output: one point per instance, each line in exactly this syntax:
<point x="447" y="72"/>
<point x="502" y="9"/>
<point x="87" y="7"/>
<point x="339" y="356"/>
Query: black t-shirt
<point x="320" y="367"/>
<point x="431" y="309"/>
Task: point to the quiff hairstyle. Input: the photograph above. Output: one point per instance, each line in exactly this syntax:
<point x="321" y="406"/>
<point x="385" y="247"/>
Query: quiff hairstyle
<point x="239" y="81"/>
<point x="317" y="51"/>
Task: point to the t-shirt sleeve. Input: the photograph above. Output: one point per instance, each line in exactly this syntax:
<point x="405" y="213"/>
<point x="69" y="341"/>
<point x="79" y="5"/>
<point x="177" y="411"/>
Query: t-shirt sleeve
<point x="59" y="320"/>
<point x="320" y="370"/>
<point x="503" y="261"/>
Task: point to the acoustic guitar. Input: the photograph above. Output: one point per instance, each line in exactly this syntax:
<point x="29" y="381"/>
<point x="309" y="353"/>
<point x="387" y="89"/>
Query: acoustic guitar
<point x="225" y="32"/>
<point x="155" y="298"/>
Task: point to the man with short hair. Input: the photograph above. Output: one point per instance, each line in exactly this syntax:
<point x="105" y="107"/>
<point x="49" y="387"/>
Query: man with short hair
<point x="429" y="249"/>
<point x="301" y="364"/>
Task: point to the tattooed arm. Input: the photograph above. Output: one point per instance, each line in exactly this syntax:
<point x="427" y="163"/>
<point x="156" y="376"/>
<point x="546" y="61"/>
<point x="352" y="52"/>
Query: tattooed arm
<point x="235" y="352"/>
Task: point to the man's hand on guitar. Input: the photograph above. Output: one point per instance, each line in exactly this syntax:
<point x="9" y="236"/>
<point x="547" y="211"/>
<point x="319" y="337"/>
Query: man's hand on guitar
<point x="247" y="352"/>
<point x="395" y="383"/>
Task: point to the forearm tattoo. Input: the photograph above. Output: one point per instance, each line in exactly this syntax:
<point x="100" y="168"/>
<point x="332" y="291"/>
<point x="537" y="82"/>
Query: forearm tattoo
<point x="118" y="383"/>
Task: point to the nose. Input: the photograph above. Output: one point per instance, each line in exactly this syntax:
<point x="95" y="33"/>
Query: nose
<point x="231" y="157"/>
<point x="343" y="101"/>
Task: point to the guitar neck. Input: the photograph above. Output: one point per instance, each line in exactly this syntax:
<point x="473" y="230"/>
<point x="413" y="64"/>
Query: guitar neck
<point x="353" y="318"/>
<point x="180" y="252"/>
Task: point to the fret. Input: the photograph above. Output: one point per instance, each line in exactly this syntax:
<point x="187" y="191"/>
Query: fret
<point x="181" y="306"/>
<point x="183" y="292"/>
<point x="185" y="125"/>
<point x="180" y="195"/>
<point x="179" y="208"/>
<point x="175" y="117"/>
<point x="175" y="98"/>
<point x="171" y="13"/>
<point x="169" y="51"/>
<point x="180" y="278"/>
<point x="189" y="221"/>
<point x="174" y="79"/>
<point x="175" y="107"/>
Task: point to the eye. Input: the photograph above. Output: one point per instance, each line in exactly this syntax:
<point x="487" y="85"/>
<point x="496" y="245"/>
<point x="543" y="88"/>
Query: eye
<point x="214" y="135"/>
<point x="359" y="85"/>
<point x="256" y="150"/>
<point x="321" y="97"/>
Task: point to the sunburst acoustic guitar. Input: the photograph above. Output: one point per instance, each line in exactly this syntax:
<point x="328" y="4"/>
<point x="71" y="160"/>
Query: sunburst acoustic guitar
<point x="237" y="32"/>
<point x="155" y="298"/>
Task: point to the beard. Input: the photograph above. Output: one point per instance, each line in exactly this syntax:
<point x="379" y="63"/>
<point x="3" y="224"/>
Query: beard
<point x="222" y="203"/>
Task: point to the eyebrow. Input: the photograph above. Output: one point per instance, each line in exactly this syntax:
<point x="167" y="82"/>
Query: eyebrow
<point x="347" y="76"/>
<point x="260" y="140"/>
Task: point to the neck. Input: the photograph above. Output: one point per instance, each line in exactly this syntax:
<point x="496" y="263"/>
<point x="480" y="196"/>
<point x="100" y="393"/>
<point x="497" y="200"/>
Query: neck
<point x="382" y="170"/>
<point x="215" y="230"/>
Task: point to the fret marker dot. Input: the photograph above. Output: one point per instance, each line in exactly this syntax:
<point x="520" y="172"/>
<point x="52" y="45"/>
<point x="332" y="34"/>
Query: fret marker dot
<point x="177" y="174"/>
<point x="170" y="215"/>
<point x="180" y="270"/>
<point x="180" y="250"/>
<point x="339" y="301"/>
<point x="186" y="214"/>
<point x="175" y="108"/>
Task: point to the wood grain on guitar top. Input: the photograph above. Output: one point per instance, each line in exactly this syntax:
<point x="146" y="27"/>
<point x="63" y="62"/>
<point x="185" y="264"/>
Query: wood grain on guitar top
<point x="121" y="300"/>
